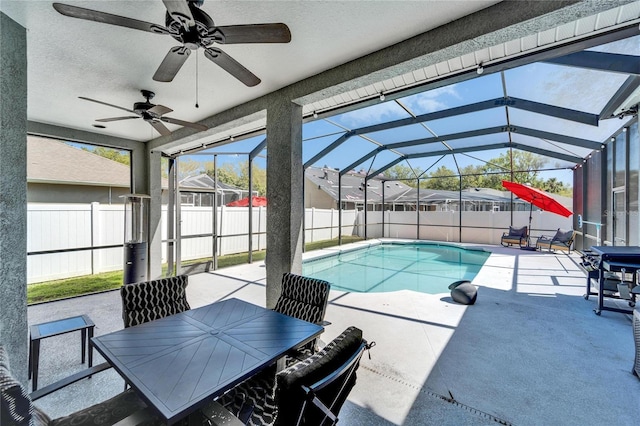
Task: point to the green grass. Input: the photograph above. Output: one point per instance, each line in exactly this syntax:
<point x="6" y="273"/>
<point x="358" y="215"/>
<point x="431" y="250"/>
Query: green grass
<point x="70" y="287"/>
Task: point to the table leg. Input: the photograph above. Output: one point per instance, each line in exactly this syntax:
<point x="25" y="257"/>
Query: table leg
<point x="90" y="346"/>
<point x="35" y="360"/>
<point x="598" y="310"/>
<point x="83" y="337"/>
<point x="30" y="357"/>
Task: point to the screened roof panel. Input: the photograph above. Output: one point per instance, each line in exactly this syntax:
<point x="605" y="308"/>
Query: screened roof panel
<point x="313" y="146"/>
<point x="347" y="153"/>
<point x="471" y="121"/>
<point x="565" y="127"/>
<point x="424" y="148"/>
<point x="479" y="141"/>
<point x="382" y="159"/>
<point x="550" y="145"/>
<point x="374" y="114"/>
<point x="313" y="129"/>
<point x="467" y="92"/>
<point x="568" y="87"/>
<point x="627" y="46"/>
<point x="400" y="134"/>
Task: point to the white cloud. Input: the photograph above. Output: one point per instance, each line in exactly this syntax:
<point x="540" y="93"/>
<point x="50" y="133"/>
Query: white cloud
<point x="430" y="101"/>
<point x="374" y="114"/>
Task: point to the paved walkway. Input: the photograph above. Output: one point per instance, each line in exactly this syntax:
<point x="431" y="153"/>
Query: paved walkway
<point x="529" y="352"/>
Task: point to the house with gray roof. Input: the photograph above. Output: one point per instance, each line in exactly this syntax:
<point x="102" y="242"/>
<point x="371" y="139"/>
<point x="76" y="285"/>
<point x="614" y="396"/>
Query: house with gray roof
<point x="60" y="173"/>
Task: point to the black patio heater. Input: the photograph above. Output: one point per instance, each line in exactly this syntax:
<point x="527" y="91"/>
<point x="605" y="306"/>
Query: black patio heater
<point x="136" y="223"/>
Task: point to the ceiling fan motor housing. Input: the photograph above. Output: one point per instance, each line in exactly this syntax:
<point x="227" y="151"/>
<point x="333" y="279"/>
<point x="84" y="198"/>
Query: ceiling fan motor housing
<point x="196" y="36"/>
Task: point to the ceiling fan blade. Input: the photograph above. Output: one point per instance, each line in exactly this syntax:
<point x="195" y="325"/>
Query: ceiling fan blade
<point x="104" y="103"/>
<point x="106" y="120"/>
<point x="179" y="11"/>
<point x="107" y="18"/>
<point x="171" y="64"/>
<point x="184" y="123"/>
<point x="159" y="110"/>
<point x="255" y="33"/>
<point x="161" y="128"/>
<point x="231" y="66"/>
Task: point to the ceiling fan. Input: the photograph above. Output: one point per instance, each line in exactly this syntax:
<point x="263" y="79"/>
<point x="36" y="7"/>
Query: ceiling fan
<point x="151" y="113"/>
<point x="194" y="29"/>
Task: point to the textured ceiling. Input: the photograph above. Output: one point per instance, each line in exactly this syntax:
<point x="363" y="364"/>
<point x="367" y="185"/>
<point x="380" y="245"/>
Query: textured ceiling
<point x="68" y="57"/>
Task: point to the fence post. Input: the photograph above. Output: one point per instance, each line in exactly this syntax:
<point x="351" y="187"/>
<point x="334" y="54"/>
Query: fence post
<point x="95" y="235"/>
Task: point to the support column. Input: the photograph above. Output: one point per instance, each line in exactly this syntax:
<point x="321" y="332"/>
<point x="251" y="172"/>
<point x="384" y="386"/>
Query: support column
<point x="13" y="194"/>
<point x="285" y="194"/>
<point x="155" y="215"/>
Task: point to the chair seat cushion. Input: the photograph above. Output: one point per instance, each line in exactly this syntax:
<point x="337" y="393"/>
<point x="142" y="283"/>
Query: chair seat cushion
<point x="289" y="391"/>
<point x="107" y="413"/>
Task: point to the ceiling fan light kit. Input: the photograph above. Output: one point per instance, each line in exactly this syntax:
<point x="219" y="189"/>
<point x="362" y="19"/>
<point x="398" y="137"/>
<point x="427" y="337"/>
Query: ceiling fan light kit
<point x="188" y="24"/>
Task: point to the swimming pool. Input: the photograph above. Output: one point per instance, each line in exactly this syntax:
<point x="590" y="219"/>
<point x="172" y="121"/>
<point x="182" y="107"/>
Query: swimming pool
<point x="424" y="267"/>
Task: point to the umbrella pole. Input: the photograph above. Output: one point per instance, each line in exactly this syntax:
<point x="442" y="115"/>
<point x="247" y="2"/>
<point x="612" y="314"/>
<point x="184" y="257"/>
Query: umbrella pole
<point x="530" y="217"/>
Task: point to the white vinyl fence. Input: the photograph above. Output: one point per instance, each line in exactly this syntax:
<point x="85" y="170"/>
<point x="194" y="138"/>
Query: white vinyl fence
<point x="60" y="237"/>
<point x="67" y="240"/>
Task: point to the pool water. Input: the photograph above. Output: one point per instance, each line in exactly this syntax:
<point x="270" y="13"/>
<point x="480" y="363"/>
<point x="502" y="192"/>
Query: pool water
<point x="427" y="268"/>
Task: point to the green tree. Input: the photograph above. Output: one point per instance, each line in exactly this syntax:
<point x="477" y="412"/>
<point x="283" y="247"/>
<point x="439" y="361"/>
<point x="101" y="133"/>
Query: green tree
<point x="237" y="174"/>
<point x="405" y="173"/>
<point x="110" y="153"/>
<point x="443" y="178"/>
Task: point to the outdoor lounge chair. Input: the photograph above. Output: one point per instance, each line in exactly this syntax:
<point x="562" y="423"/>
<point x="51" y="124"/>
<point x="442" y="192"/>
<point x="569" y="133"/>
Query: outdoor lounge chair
<point x="310" y="392"/>
<point x="519" y="236"/>
<point x="562" y="240"/>
<point x="150" y="300"/>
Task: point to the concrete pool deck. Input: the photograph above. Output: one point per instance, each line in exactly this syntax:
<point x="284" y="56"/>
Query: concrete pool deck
<point x="529" y="352"/>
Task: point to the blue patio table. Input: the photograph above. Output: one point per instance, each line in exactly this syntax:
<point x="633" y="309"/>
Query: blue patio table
<point x="179" y="363"/>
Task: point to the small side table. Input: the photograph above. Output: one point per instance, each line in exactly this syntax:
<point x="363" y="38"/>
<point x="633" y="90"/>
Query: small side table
<point x="54" y="328"/>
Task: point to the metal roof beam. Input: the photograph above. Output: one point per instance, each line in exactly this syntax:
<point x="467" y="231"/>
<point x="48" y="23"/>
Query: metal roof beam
<point x="612" y="62"/>
<point x="451" y="112"/>
<point x="628" y="87"/>
<point x="333" y="145"/>
<point x="557" y="137"/>
<point x="258" y="149"/>
<point x="363" y="159"/>
<point x="388" y="166"/>
<point x="480" y="132"/>
<point x="547" y="153"/>
<point x="501" y="145"/>
<point x="554" y="111"/>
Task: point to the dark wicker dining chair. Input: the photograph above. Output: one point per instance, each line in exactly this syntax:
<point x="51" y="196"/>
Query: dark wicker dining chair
<point x="306" y="299"/>
<point x="150" y="300"/>
<point x="17" y="408"/>
<point x="310" y="392"/>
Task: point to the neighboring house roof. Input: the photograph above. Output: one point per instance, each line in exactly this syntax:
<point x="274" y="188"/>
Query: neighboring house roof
<point x="398" y="192"/>
<point x="53" y="161"/>
<point x="352" y="185"/>
<point x="205" y="183"/>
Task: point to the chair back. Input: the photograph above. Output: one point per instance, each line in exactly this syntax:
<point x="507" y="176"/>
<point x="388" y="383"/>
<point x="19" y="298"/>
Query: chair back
<point x="150" y="300"/>
<point x="303" y="298"/>
<point x="312" y="392"/>
<point x="15" y="405"/>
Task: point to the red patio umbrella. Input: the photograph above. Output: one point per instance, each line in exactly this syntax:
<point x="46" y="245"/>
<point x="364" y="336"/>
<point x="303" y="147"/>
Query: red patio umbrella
<point x="536" y="197"/>
<point x="257" y="201"/>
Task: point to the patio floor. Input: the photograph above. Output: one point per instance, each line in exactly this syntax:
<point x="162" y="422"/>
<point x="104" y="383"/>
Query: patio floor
<point x="529" y="352"/>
